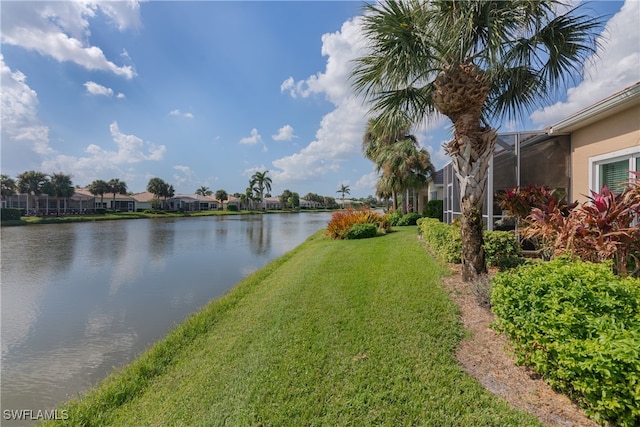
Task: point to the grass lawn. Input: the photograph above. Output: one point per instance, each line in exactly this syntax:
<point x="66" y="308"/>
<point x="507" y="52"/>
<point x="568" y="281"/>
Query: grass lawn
<point x="334" y="333"/>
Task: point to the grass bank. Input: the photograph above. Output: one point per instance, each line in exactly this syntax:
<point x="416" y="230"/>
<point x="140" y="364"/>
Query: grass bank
<point x="333" y="333"/>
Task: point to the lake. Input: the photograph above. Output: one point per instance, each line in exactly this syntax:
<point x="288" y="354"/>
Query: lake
<point x="79" y="299"/>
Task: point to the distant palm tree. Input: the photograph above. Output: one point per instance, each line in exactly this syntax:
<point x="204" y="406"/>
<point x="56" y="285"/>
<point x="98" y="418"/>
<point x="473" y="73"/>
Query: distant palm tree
<point x="157" y="187"/>
<point x="116" y="187"/>
<point x="32" y="184"/>
<point x="60" y="187"/>
<point x="344" y="189"/>
<point x="98" y="188"/>
<point x="222" y="196"/>
<point x="261" y="182"/>
<point x="471" y="61"/>
<point x="203" y="191"/>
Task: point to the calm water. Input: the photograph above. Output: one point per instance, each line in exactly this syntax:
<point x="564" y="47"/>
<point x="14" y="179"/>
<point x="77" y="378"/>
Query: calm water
<point x="80" y="299"/>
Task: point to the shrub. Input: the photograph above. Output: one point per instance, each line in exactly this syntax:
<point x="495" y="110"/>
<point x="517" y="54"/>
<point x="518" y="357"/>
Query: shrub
<point x="395" y="217"/>
<point x="443" y="238"/>
<point x="434" y="209"/>
<point x="10" y="214"/>
<point x="409" y="219"/>
<point x="232" y="208"/>
<point x="578" y="326"/>
<point x="502" y="249"/>
<point x="362" y="231"/>
<point x="343" y="220"/>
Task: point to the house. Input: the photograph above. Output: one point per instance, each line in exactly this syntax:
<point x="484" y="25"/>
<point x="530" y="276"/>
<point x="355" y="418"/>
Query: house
<point x="597" y="146"/>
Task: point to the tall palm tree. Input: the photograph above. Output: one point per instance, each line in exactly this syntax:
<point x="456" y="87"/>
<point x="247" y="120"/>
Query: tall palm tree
<point x="116" y="187"/>
<point x="32" y="183"/>
<point x="471" y="61"/>
<point x="98" y="188"/>
<point x="261" y="182"/>
<point x="61" y="187"/>
<point x="344" y="189"/>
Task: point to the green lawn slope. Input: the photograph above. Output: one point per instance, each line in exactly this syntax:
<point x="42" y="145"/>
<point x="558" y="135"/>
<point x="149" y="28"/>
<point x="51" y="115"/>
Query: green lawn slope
<point x="334" y="333"/>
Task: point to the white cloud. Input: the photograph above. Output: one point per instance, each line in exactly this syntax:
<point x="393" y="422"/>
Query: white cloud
<point x="614" y="68"/>
<point x="22" y="130"/>
<point x="61" y="30"/>
<point x="94" y="88"/>
<point x="253" y="139"/>
<point x="285" y="133"/>
<point x="101" y="162"/>
<point x="177" y="112"/>
<point x="367" y="183"/>
<point x="339" y="136"/>
<point x="186" y="177"/>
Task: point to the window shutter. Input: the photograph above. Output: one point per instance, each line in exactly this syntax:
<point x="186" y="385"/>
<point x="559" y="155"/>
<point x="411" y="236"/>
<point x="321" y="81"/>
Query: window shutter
<point x="615" y="175"/>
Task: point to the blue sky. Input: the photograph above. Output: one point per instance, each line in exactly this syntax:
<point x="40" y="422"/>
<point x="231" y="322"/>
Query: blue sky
<point x="208" y="92"/>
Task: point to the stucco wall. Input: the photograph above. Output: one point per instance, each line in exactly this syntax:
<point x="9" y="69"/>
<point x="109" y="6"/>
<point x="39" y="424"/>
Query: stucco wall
<point x="617" y="132"/>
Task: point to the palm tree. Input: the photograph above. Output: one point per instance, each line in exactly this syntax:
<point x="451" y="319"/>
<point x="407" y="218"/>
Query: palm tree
<point x="260" y="182"/>
<point x="32" y="183"/>
<point x="406" y="165"/>
<point x="157" y="187"/>
<point x="472" y="61"/>
<point x="98" y="188"/>
<point x="116" y="187"/>
<point x="60" y="186"/>
<point x="203" y="191"/>
<point x="344" y="189"/>
<point x="222" y="196"/>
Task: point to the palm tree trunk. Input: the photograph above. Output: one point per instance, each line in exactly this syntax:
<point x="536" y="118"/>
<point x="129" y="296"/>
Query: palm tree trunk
<point x="470" y="160"/>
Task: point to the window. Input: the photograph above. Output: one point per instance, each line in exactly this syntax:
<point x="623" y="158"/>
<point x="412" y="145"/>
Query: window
<point x="614" y="175"/>
<point x="613" y="169"/>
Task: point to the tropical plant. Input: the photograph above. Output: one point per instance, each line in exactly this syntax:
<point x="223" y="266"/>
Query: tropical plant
<point x="344" y="189"/>
<point x="158" y="188"/>
<point x="471" y="61"/>
<point x="60" y="186"/>
<point x="259" y="183"/>
<point x="116" y="187"/>
<point x="600" y="229"/>
<point x="32" y="183"/>
<point x="342" y="222"/>
<point x="204" y="191"/>
<point x="222" y="196"/>
<point x="98" y="188"/>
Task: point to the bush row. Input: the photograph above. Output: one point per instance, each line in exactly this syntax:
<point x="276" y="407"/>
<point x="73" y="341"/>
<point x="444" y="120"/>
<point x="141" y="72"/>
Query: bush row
<point x="578" y="325"/>
<point x="502" y="248"/>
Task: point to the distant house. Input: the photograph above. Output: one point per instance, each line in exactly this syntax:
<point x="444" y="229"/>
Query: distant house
<point x="597" y="146"/>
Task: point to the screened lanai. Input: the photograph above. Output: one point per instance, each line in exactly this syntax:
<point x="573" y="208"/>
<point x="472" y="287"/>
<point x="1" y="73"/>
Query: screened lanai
<point x="520" y="159"/>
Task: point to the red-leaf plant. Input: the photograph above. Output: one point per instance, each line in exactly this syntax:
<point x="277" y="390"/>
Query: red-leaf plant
<point x="603" y="228"/>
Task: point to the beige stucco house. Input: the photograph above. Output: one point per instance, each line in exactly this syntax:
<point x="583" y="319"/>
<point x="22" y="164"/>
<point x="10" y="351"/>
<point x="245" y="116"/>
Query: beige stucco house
<point x="605" y="142"/>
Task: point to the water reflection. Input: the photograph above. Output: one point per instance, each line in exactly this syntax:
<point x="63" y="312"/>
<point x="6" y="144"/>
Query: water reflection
<point x="79" y="299"/>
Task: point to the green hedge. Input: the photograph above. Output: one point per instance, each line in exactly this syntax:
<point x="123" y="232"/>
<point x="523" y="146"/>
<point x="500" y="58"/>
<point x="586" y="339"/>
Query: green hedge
<point x="10" y="214"/>
<point x="578" y="325"/>
<point x="502" y="248"/>
<point x="409" y="219"/>
<point x="443" y="238"/>
<point x="362" y="231"/>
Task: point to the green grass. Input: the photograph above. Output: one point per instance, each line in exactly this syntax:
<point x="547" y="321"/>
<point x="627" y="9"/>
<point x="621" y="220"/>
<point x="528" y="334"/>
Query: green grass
<point x="334" y="333"/>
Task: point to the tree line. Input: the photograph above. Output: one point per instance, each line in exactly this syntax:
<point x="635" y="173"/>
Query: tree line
<point x="35" y="184"/>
